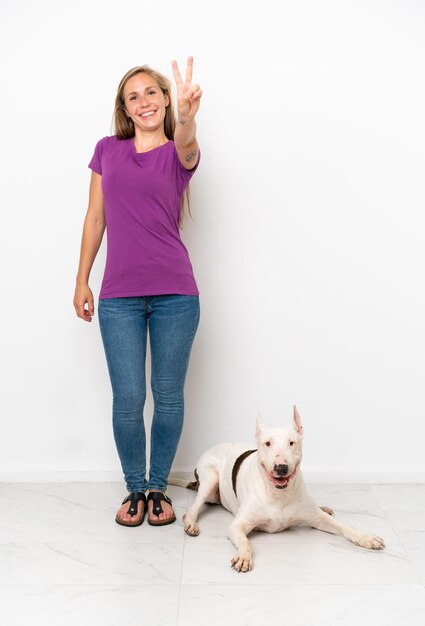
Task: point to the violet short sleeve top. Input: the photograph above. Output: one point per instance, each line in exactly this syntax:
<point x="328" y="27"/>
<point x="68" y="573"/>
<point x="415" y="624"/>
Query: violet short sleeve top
<point x="142" y="193"/>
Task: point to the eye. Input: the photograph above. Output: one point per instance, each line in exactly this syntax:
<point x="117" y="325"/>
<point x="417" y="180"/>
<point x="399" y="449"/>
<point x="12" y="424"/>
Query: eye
<point x="133" y="98"/>
<point x="267" y="443"/>
<point x="292" y="443"/>
<point x="152" y="92"/>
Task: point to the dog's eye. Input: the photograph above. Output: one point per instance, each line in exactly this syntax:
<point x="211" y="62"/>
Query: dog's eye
<point x="292" y="443"/>
<point x="267" y="443"/>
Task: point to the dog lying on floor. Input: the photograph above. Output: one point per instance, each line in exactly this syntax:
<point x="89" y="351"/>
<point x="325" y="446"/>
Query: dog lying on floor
<point x="264" y="489"/>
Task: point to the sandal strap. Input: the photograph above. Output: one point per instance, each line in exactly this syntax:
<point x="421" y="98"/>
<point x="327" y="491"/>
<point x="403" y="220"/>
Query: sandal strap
<point x="157" y="497"/>
<point x="134" y="497"/>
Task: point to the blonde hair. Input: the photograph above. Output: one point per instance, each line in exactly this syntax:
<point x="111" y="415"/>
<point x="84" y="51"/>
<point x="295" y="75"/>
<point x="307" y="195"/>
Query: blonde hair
<point x="123" y="126"/>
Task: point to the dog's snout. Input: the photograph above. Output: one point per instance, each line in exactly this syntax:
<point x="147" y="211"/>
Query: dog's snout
<point x="281" y="470"/>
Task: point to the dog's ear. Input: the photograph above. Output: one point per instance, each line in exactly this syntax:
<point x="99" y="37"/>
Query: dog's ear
<point x="297" y="422"/>
<point x="259" y="424"/>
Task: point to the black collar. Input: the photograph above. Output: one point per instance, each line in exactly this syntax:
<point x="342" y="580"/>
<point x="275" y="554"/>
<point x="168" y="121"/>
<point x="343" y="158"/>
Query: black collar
<point x="237" y="465"/>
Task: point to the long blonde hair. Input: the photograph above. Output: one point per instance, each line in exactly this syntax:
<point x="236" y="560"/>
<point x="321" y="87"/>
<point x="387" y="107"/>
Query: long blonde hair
<point x="123" y="126"/>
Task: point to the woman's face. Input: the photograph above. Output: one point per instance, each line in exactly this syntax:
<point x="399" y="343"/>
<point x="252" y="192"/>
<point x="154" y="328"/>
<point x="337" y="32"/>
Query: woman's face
<point x="144" y="102"/>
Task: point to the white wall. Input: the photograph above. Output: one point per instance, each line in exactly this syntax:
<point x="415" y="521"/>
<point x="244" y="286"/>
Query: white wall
<point x="307" y="241"/>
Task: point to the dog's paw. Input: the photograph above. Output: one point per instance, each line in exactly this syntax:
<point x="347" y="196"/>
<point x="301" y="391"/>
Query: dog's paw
<point x="190" y="528"/>
<point x="327" y="510"/>
<point x="242" y="562"/>
<point x="372" y="542"/>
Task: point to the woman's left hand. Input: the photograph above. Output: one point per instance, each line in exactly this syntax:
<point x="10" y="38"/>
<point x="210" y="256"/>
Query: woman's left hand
<point x="188" y="95"/>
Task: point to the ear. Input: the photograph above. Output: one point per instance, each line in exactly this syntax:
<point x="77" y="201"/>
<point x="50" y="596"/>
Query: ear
<point x="166" y="99"/>
<point x="297" y="422"/>
<point x="259" y="424"/>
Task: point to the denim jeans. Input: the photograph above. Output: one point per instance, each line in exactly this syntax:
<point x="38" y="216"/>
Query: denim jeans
<point x="171" y="322"/>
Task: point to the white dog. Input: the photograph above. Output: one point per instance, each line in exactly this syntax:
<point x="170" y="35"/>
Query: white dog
<point x="264" y="489"/>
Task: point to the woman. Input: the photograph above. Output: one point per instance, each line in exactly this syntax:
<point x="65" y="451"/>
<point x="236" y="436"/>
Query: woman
<point x="139" y="177"/>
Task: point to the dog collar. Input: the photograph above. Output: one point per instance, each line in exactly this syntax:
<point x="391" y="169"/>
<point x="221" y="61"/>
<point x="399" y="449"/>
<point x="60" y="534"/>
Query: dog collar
<point x="237" y="465"/>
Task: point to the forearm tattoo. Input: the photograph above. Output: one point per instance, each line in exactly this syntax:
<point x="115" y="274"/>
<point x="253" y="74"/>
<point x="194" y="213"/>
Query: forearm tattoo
<point x="190" y="157"/>
<point x="183" y="122"/>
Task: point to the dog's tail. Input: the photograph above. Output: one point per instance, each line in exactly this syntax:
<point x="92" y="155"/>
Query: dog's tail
<point x="180" y="482"/>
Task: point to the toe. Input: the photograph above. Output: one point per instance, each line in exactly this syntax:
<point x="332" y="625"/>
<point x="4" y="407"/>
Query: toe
<point x="124" y="516"/>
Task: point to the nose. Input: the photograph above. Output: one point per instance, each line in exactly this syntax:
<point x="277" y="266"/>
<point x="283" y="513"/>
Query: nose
<point x="281" y="470"/>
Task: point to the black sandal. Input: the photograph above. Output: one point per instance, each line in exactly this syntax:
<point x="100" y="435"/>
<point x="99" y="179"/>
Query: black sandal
<point x="157" y="497"/>
<point x="134" y="499"/>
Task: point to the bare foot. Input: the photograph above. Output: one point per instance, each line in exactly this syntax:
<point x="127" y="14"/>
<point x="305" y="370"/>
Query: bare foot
<point x="167" y="511"/>
<point x="126" y="517"/>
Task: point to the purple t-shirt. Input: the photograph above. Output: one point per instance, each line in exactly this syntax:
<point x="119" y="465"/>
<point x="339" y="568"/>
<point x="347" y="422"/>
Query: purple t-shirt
<point x="142" y="192"/>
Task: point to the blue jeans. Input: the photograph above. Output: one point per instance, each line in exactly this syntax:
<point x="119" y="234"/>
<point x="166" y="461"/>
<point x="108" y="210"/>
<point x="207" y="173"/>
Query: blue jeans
<point x="172" y="321"/>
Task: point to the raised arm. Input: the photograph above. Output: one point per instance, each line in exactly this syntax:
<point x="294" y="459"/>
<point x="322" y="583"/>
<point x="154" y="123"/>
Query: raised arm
<point x="188" y="100"/>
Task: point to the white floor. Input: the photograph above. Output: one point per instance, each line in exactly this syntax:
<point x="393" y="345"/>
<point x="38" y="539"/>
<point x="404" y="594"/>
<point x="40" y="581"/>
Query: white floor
<point x="64" y="561"/>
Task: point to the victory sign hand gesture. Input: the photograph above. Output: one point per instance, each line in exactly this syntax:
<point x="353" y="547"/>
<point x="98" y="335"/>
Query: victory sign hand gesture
<point x="188" y="95"/>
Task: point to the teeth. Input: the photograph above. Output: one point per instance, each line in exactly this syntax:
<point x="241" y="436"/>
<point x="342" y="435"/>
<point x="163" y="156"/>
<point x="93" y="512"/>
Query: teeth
<point x="147" y="114"/>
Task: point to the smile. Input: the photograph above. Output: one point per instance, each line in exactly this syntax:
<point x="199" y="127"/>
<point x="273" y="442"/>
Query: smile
<point x="278" y="481"/>
<point x="148" y="114"/>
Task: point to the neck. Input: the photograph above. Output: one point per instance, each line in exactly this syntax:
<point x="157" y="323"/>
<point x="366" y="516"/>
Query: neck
<point x="145" y="140"/>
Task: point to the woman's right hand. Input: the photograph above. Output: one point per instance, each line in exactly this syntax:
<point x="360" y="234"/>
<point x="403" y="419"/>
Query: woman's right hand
<point x="83" y="295"/>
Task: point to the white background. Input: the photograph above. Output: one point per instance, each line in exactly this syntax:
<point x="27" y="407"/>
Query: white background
<point x="307" y="239"/>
